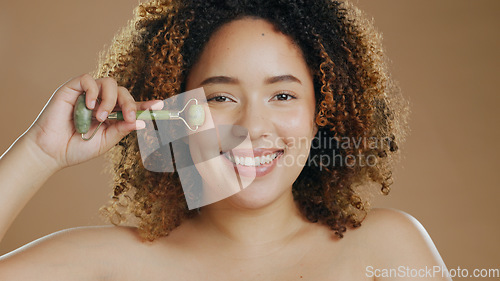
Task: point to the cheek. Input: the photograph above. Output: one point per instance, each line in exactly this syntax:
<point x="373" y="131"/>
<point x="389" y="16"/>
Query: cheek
<point x="296" y="127"/>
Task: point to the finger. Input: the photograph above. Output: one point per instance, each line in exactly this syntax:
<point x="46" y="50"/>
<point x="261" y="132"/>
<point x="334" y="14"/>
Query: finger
<point x="127" y="104"/>
<point x="108" y="93"/>
<point x="145" y="105"/>
<point x="78" y="85"/>
<point x="91" y="90"/>
<point x="152" y="104"/>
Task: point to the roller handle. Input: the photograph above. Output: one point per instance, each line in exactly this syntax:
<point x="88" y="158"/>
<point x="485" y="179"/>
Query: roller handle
<point x="195" y="115"/>
<point x="141" y="115"/>
<point x="82" y="116"/>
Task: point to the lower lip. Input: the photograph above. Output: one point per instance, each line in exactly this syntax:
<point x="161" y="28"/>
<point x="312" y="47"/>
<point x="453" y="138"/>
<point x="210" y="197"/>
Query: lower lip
<point x="250" y="171"/>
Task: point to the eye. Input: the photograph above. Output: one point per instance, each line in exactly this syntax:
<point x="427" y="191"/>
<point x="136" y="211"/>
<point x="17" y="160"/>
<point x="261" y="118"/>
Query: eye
<point x="219" y="98"/>
<point x="284" y="96"/>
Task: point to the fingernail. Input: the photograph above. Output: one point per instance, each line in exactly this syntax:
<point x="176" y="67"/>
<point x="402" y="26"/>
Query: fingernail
<point x="140" y="124"/>
<point x="92" y="104"/>
<point x="157" y="105"/>
<point x="103" y="115"/>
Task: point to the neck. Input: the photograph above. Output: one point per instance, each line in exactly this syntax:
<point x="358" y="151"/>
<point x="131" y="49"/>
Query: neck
<point x="275" y="222"/>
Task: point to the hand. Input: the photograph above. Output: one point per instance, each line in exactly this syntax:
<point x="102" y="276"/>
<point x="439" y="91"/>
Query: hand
<point x="53" y="133"/>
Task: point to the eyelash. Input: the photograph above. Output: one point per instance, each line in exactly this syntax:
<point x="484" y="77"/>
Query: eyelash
<point x="292" y="97"/>
<point x="217" y="96"/>
<point x="213" y="98"/>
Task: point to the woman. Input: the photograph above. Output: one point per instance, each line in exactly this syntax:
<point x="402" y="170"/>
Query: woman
<point x="307" y="83"/>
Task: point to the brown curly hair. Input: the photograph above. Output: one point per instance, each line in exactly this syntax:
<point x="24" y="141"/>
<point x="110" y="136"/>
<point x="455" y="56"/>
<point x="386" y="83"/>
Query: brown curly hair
<point x="356" y="100"/>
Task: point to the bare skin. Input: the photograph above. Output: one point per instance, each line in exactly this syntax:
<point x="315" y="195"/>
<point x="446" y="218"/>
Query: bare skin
<point x="387" y="239"/>
<point x="257" y="234"/>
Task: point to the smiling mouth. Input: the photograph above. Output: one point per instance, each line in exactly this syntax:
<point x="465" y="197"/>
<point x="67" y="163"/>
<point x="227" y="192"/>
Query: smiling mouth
<point x="252" y="161"/>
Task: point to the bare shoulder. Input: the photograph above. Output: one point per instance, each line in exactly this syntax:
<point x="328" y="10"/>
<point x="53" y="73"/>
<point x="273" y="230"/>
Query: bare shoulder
<point x="395" y="238"/>
<point x="80" y="237"/>
<point x="382" y="219"/>
<point x="392" y="229"/>
<point x="71" y="254"/>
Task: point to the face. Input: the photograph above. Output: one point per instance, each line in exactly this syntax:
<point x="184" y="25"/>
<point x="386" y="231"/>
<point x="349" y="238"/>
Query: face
<point x="256" y="79"/>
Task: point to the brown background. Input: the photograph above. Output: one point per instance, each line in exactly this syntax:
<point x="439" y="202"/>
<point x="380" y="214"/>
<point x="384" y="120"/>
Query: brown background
<point x="444" y="55"/>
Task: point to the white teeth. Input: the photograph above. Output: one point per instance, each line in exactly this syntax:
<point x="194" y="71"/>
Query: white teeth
<point x="257" y="161"/>
<point x="267" y="158"/>
<point x="250" y="161"/>
<point x="264" y="160"/>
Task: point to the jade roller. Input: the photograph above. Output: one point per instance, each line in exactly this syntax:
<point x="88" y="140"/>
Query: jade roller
<point x="82" y="116"/>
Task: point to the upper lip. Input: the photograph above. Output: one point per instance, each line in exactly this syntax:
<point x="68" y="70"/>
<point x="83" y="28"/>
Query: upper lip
<point x="257" y="152"/>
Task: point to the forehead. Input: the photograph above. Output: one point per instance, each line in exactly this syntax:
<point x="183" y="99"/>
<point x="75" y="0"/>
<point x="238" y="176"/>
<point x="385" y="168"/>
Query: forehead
<point x="247" y="46"/>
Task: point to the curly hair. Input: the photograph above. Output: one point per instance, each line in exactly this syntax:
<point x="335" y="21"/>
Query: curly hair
<point x="356" y="99"/>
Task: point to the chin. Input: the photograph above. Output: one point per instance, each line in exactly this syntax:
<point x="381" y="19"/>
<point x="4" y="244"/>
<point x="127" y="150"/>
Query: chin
<point x="256" y="197"/>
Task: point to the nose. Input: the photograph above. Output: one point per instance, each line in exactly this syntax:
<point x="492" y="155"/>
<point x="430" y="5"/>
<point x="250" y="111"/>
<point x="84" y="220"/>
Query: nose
<point x="253" y="119"/>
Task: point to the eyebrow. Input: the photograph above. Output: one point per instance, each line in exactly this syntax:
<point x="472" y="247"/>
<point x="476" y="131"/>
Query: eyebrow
<point x="282" y="78"/>
<point x="231" y="80"/>
<point x="219" y="80"/>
